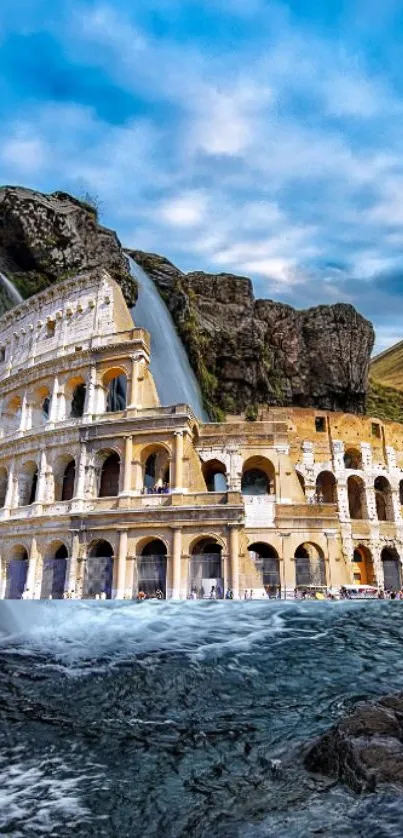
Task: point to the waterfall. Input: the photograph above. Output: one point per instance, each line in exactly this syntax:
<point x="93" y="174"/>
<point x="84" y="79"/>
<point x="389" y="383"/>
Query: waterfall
<point x="11" y="290"/>
<point x="174" y="378"/>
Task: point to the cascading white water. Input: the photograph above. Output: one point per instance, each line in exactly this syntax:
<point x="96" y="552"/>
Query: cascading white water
<point x="12" y="292"/>
<point x="174" y="378"/>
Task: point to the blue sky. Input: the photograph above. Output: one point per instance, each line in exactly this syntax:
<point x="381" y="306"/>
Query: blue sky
<point x="260" y="138"/>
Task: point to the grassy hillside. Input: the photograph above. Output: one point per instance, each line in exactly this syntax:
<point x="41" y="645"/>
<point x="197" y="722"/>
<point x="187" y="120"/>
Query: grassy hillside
<point x="387" y="368"/>
<point x="384" y="402"/>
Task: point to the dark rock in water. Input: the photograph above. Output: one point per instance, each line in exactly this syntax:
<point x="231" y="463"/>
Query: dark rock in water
<point x="247" y="352"/>
<point x="48" y="238"/>
<point x="365" y="748"/>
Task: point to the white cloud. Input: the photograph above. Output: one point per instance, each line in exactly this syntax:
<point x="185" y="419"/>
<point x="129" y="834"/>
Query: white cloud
<point x="23" y="154"/>
<point x="186" y="210"/>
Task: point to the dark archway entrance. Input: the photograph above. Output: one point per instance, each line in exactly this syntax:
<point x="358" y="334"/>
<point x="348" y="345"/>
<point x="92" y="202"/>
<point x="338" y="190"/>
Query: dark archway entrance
<point x="363" y="567"/>
<point x="69" y="477"/>
<point x="310" y="570"/>
<point x="110" y="476"/>
<point x="205" y="570"/>
<point x="98" y="578"/>
<point x="392" y="569"/>
<point x="54" y="574"/>
<point x="16" y="575"/>
<point x="267" y="564"/>
<point x="152" y="570"/>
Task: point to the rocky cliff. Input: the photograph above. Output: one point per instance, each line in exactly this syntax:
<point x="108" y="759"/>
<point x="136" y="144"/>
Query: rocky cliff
<point x="247" y="352"/>
<point x="47" y="238"/>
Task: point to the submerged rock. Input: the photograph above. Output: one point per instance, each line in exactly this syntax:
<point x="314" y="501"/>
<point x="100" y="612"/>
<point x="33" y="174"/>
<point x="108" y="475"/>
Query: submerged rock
<point x="365" y="748"/>
<point x="47" y="238"/>
<point x="247" y="352"/>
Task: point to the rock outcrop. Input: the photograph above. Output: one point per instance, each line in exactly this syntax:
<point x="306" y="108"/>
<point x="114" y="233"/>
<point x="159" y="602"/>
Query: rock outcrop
<point x="47" y="238"/>
<point x="365" y="748"/>
<point x="247" y="352"/>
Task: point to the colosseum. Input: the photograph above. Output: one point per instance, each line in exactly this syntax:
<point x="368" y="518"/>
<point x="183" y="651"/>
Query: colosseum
<point x="104" y="492"/>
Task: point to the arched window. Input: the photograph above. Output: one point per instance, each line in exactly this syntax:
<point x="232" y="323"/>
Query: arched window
<point x="356" y="498"/>
<point x="326" y="487"/>
<point x="363" y="566"/>
<point x="40" y="406"/>
<point x="3" y="485"/>
<point x="27" y="484"/>
<point x="383" y="498"/>
<point x="11" y="415"/>
<point x="69" y="481"/>
<point x="16" y="573"/>
<point x="54" y="573"/>
<point x="116" y="393"/>
<point x="78" y="401"/>
<point x="98" y="579"/>
<point x="392" y="569"/>
<point x="156" y="469"/>
<point x="110" y="475"/>
<point x="310" y="569"/>
<point x="266" y="562"/>
<point x="152" y="570"/>
<point x="352" y="458"/>
<point x="214" y="474"/>
<point x="205" y="570"/>
<point x="258" y="477"/>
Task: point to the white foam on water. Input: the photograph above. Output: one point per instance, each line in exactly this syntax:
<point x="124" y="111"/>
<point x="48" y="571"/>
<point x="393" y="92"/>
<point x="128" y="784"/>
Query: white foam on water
<point x="79" y="632"/>
<point x="11" y="290"/>
<point x="40" y="794"/>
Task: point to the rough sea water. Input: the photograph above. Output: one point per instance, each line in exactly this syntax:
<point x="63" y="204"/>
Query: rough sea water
<point x="162" y="719"/>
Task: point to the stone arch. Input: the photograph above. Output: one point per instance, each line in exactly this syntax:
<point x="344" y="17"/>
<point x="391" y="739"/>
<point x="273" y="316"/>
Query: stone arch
<point x="215" y="476"/>
<point x="156" y="467"/>
<point x="352" y="458"/>
<point x="357" y="501"/>
<point x="383" y="499"/>
<point x="310" y="567"/>
<point x="363" y="566"/>
<point x="266" y="561"/>
<point x="301" y="480"/>
<point x="98" y="576"/>
<point x="392" y="569"/>
<point x="114" y="382"/>
<point x="41" y="403"/>
<point x="27" y="483"/>
<point x="16" y="572"/>
<point x="75" y="393"/>
<point x="258" y="476"/>
<point x="64" y="473"/>
<point x="206" y="574"/>
<point x="151" y="568"/>
<point x="326" y="487"/>
<point x="3" y="485"/>
<point x="54" y="570"/>
<point x="11" y="414"/>
<point x="108" y="471"/>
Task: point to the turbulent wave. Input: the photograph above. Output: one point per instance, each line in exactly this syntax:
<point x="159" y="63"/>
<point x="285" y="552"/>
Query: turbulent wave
<point x="164" y="718"/>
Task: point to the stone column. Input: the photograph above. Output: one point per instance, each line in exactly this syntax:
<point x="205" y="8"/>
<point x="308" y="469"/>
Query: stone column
<point x="41" y="487"/>
<point x="134" y="389"/>
<point x="30" y="583"/>
<point x="127" y="474"/>
<point x="397" y="510"/>
<point x="370" y="500"/>
<point x="24" y="413"/>
<point x="90" y="391"/>
<point x="61" y="405"/>
<point x="53" y="414"/>
<point x="234" y="558"/>
<point x="178" y="468"/>
<point x="287" y="568"/>
<point x="121" y="574"/>
<point x="80" y="482"/>
<point x="176" y="562"/>
<point x="3" y="577"/>
<point x="9" y="499"/>
<point x="71" y="581"/>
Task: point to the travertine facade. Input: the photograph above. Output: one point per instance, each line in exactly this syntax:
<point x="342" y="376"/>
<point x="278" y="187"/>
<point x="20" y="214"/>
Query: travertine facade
<point x="105" y="492"/>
